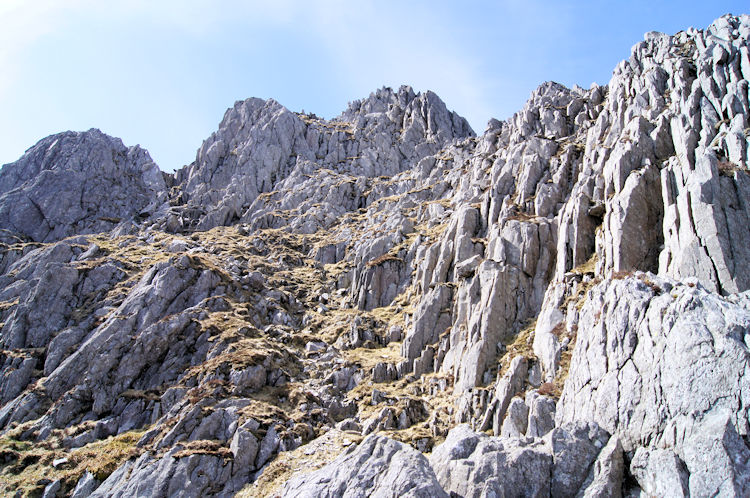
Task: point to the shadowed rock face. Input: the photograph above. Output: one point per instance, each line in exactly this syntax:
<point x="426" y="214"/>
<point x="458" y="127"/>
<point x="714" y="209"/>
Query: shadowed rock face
<point x="560" y="306"/>
<point x="76" y="183"/>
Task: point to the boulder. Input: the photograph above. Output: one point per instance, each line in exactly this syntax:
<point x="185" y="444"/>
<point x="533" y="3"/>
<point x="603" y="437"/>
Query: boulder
<point x="378" y="467"/>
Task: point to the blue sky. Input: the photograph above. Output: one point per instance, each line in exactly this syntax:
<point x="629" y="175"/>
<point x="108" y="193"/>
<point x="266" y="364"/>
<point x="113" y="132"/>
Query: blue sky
<point x="162" y="73"/>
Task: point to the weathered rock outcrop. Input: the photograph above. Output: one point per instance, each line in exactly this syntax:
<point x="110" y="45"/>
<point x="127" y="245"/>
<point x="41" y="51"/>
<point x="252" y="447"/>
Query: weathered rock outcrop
<point x="503" y="239"/>
<point x="378" y="467"/>
<point x="557" y="307"/>
<point x="662" y="178"/>
<point x="300" y="163"/>
<point x="663" y="365"/>
<point x="472" y="464"/>
<point x="77" y="183"/>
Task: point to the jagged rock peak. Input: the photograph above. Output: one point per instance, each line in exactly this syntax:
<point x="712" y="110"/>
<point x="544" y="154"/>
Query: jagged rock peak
<point x="80" y="151"/>
<point x="260" y="144"/>
<point x="553" y="112"/>
<point x="408" y="105"/>
<point x="77" y="182"/>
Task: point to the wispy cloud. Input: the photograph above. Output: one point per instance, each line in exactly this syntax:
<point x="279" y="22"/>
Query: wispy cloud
<point x="198" y="18"/>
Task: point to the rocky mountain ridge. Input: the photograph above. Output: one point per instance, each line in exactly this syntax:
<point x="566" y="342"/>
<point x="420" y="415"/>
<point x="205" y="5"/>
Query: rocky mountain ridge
<point x="386" y="304"/>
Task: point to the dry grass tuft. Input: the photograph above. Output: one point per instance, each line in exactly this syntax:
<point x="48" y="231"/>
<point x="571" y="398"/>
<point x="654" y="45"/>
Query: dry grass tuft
<point x="204" y="447"/>
<point x="650" y="284"/>
<point x="588" y="267"/>
<point x="522" y="345"/>
<point x="621" y="275"/>
<point x="383" y="259"/>
<point x="303" y="460"/>
<point x="549" y="389"/>
<point x="28" y="463"/>
<point x="729" y="169"/>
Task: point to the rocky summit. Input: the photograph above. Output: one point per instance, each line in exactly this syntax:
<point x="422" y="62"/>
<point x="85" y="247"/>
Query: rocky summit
<point x="386" y="304"/>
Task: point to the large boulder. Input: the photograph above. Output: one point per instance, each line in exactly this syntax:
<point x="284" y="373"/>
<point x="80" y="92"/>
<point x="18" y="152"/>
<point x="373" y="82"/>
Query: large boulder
<point x="473" y="464"/>
<point x="377" y="467"/>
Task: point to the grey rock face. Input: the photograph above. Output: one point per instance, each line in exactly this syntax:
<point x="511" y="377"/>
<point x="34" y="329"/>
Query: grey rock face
<point x="660" y="472"/>
<point x="660" y="363"/>
<point x="299" y="162"/>
<point x="474" y="464"/>
<point x="541" y="414"/>
<point x="506" y="388"/>
<point x="516" y="420"/>
<point x="592" y="247"/>
<point x="378" y="467"/>
<point x="268" y="447"/>
<point x="86" y="486"/>
<point x="172" y="475"/>
<point x="606" y="475"/>
<point x="48" y="291"/>
<point x="50" y="491"/>
<point x="505" y="239"/>
<point x="676" y="105"/>
<point x="76" y="183"/>
<point x="717" y="457"/>
<point x="111" y="354"/>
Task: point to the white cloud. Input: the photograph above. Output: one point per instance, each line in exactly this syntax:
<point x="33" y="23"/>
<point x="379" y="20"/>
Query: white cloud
<point x="22" y="22"/>
<point x="360" y="45"/>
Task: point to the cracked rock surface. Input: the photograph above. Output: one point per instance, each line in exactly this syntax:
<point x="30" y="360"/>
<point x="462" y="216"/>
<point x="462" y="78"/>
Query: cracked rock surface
<point x="386" y="304"/>
<point x="75" y="183"/>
